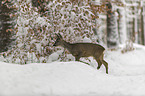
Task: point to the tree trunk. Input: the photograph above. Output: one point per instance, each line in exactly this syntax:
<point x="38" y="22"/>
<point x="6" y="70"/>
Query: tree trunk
<point x="112" y="34"/>
<point x="142" y="27"/>
<point x="122" y="34"/>
<point x="6" y="26"/>
<point x="135" y="25"/>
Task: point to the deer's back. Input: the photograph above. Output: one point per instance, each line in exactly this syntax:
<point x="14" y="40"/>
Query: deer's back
<point x="87" y="49"/>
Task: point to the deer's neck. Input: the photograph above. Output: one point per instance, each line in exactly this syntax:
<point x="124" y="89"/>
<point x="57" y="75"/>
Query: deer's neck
<point x="66" y="45"/>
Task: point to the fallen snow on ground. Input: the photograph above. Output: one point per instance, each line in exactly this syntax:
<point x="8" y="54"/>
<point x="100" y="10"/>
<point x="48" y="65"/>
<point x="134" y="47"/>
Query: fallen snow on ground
<point x="126" y="77"/>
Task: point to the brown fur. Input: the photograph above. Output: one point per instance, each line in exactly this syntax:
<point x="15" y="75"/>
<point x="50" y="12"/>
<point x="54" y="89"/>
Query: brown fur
<point x="79" y="50"/>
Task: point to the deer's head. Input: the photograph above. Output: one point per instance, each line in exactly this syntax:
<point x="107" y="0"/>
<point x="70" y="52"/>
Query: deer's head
<point x="58" y="41"/>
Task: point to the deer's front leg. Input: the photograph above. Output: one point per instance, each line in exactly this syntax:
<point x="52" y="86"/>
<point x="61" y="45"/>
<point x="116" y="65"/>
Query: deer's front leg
<point x="77" y="56"/>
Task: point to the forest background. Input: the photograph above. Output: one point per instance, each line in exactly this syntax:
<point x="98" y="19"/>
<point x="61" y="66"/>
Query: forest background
<point x="28" y="27"/>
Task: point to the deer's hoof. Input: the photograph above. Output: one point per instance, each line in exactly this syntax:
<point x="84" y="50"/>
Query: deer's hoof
<point x="98" y="68"/>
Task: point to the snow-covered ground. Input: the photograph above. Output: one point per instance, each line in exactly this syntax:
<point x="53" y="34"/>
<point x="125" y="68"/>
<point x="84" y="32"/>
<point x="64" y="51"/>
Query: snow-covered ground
<point x="126" y="77"/>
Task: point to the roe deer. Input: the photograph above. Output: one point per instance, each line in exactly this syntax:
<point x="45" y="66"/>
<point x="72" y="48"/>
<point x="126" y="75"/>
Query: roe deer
<point x="79" y="50"/>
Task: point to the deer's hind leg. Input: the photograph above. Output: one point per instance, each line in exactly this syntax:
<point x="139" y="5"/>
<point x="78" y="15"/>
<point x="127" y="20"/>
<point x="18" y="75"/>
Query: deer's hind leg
<point x="106" y="65"/>
<point x="104" y="62"/>
<point x="99" y="62"/>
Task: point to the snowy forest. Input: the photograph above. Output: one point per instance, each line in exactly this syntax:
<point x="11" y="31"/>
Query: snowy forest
<point x="28" y="27"/>
<point x="29" y="30"/>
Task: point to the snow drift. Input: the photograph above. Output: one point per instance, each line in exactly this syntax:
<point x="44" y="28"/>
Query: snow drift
<point x="126" y="77"/>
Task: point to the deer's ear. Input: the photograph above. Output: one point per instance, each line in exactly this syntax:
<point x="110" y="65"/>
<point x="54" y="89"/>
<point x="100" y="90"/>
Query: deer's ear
<point x="59" y="36"/>
<point x="56" y="35"/>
